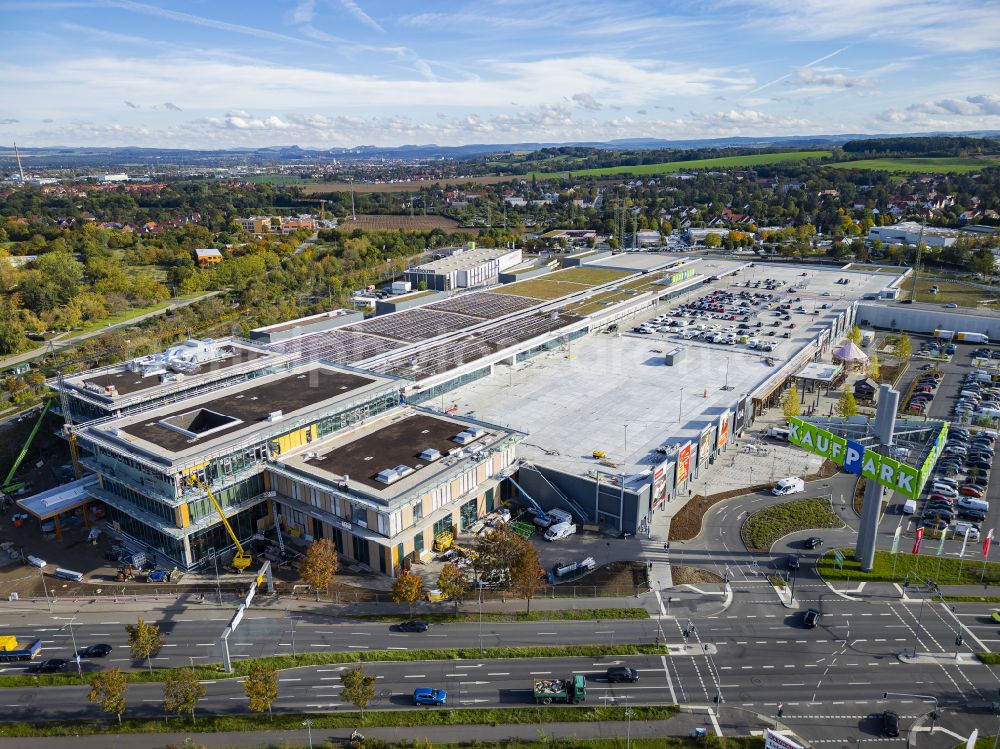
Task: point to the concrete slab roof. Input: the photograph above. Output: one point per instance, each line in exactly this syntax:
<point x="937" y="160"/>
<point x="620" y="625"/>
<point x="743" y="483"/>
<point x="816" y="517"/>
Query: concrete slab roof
<point x="635" y="261"/>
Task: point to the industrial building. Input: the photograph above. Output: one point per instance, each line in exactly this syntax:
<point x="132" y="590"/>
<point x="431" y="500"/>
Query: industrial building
<point x="908" y="232"/>
<point x="463" y="267"/>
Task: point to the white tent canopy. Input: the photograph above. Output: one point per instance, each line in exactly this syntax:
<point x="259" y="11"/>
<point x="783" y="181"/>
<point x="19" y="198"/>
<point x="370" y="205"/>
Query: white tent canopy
<point x="850" y="352"/>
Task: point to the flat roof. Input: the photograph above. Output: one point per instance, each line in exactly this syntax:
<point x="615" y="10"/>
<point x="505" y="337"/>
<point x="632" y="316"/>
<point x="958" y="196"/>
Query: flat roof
<point x="191" y="426"/>
<point x="579" y="398"/>
<point x="59" y="499"/>
<point x="300" y="321"/>
<point x="820" y="371"/>
<point x="126" y="382"/>
<point x="462" y="259"/>
<point x="636" y="261"/>
<point x="394" y="439"/>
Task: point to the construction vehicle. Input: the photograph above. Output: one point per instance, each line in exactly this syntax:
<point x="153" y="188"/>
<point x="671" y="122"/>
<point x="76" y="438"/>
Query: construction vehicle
<point x="241" y="559"/>
<point x="571" y="690"/>
<point x="443" y="540"/>
<point x="9" y="486"/>
<point x="12" y="649"/>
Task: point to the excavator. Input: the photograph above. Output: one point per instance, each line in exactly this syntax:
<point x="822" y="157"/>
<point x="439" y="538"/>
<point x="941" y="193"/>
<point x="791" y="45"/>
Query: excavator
<point x="242" y="558"/>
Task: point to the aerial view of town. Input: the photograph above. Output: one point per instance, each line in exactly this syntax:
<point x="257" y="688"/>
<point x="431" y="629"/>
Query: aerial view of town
<point x="580" y="375"/>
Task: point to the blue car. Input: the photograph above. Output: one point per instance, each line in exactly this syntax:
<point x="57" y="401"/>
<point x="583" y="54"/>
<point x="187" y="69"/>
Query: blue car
<point x="426" y="696"/>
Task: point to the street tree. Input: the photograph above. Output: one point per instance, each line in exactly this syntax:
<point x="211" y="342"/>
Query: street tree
<point x="903" y="348"/>
<point x="407" y="588"/>
<point x="495" y="553"/>
<point x="319" y="565"/>
<point x="181" y="691"/>
<point x="261" y="685"/>
<point x="145" y="641"/>
<point x="109" y="688"/>
<point x="791" y="406"/>
<point x="847" y="405"/>
<point x="452" y="583"/>
<point x="358" y="688"/>
<point x="874" y="368"/>
<point x="854" y="335"/>
<point x="524" y="572"/>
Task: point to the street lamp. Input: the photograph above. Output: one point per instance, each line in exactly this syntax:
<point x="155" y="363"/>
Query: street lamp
<point x="215" y="561"/>
<point x="308" y="724"/>
<point x="72" y="634"/>
<point x="48" y="601"/>
<point x="934" y="712"/>
<point x="294" y="619"/>
<point x="628" y="725"/>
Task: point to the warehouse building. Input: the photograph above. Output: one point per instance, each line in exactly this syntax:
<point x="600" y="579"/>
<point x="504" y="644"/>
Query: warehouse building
<point x="463" y="267"/>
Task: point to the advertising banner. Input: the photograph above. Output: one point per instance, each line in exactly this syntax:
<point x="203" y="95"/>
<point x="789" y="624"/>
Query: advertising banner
<point x="660" y="483"/>
<point x="916" y="543"/>
<point x="705" y="446"/>
<point x="774" y="740"/>
<point x="683" y="464"/>
<point x="742" y="420"/>
<point x="856" y="459"/>
<point x="724" y="429"/>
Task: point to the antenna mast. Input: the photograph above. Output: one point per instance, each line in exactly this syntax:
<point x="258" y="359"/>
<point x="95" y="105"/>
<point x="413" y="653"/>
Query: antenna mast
<point x="916" y="263"/>
<point x="20" y="169"/>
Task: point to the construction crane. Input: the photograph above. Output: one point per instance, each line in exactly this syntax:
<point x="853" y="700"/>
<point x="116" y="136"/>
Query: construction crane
<point x="242" y="559"/>
<point x="8" y="487"/>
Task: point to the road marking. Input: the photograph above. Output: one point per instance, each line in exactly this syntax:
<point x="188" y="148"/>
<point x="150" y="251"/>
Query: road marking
<point x="546" y="633"/>
<point x="670" y="682"/>
<point x="715" y="722"/>
<point x="534" y="673"/>
<point x="414" y="676"/>
<point x="204" y="644"/>
<point x="362" y="647"/>
<point x="857" y="683"/>
<point x="289" y="680"/>
<point x="502" y="673"/>
<point x="796" y="684"/>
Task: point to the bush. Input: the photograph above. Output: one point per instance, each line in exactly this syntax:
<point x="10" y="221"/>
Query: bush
<point x="766" y="526"/>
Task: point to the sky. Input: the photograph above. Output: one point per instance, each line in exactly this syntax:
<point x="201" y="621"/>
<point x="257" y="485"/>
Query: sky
<point x="343" y="73"/>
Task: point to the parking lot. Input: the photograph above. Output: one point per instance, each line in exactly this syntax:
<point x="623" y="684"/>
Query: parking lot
<point x="961" y="480"/>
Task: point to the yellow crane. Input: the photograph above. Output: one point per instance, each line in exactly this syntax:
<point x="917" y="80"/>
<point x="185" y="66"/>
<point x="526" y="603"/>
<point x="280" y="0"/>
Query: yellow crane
<point x="242" y="559"/>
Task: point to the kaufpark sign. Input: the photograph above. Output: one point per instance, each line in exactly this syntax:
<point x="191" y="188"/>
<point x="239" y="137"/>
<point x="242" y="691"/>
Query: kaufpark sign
<point x="853" y="457"/>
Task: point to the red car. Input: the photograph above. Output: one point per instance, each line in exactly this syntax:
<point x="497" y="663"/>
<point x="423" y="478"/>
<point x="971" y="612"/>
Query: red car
<point x="971" y="490"/>
<point x="941" y="498"/>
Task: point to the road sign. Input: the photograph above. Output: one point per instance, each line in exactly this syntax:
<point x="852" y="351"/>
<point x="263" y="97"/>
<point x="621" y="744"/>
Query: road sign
<point x="839" y="557"/>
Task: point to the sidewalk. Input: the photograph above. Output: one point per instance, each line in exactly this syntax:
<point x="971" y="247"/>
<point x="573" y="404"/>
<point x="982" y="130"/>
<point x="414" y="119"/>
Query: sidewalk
<point x="731" y="723"/>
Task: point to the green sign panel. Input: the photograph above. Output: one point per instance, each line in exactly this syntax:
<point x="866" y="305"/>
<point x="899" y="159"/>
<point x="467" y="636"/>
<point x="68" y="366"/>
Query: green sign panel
<point x="839" y="558"/>
<point x="853" y="457"/>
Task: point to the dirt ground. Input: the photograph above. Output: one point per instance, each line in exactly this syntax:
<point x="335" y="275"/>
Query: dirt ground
<point x="692" y="575"/>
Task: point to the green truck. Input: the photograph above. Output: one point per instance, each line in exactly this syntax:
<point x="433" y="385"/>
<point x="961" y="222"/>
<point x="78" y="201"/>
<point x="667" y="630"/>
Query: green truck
<point x="572" y="690"/>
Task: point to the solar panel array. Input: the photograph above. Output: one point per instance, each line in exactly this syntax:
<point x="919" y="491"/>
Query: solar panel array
<point x="416" y="324"/>
<point x="484" y="304"/>
<point x="340" y="345"/>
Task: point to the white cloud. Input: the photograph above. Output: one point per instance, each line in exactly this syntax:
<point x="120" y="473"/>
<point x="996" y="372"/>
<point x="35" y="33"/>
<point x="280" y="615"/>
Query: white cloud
<point x="355" y="10"/>
<point x="820" y="78"/>
<point x="303" y="11"/>
<point x="969" y="113"/>
<point x="171" y="106"/>
<point x="587" y="101"/>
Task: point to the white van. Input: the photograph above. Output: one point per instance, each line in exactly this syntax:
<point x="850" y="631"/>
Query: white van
<point x="553" y="517"/>
<point x="778" y="433"/>
<point x="790" y="485"/>
<point x="909" y="507"/>
<point x="991" y="413"/>
<point x="971" y="503"/>
<point x="938" y="488"/>
<point x="560" y="530"/>
<point x="960" y="529"/>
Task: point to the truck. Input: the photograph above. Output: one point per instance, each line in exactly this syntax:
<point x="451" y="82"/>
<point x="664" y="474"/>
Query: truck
<point x="972" y="337"/>
<point x="12" y="649"/>
<point x="945" y="335"/>
<point x="571" y="690"/>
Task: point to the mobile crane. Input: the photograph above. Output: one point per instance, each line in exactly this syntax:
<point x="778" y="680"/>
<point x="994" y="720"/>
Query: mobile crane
<point x="9" y="485"/>
<point x="242" y="559"/>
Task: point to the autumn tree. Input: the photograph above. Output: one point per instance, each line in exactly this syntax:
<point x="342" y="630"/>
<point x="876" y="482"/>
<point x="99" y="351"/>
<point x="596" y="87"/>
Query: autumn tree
<point x="847" y="405"/>
<point x="874" y="368"/>
<point x="319" y="565"/>
<point x="791" y="406"/>
<point x="145" y="641"/>
<point x="109" y="688"/>
<point x="358" y="688"/>
<point x="452" y="583"/>
<point x="261" y="685"/>
<point x="496" y="552"/>
<point x="903" y="348"/>
<point x="407" y="588"/>
<point x="181" y="691"/>
<point x="524" y="572"/>
<point x="854" y="335"/>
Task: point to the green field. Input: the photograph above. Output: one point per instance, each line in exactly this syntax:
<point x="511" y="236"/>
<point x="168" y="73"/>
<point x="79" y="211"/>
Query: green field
<point x="279" y="179"/>
<point x="912" y="166"/>
<point x="949" y="292"/>
<point x="724" y="162"/>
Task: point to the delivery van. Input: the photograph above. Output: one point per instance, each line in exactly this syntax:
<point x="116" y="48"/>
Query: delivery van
<point x="970" y="503"/>
<point x="909" y="507"/>
<point x="553" y="517"/>
<point x="560" y="530"/>
<point x="790" y="485"/>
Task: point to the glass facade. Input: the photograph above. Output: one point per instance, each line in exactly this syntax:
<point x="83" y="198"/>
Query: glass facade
<point x="425" y="395"/>
<point x="148" y="536"/>
<point x="550" y="345"/>
<point x="244" y="526"/>
<point x="149" y="505"/>
<point x="467" y="514"/>
<point x="231" y="495"/>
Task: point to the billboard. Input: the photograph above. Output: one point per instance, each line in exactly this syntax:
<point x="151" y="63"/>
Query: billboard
<point x="723" y="429"/>
<point x="683" y="464"/>
<point x="742" y="419"/>
<point x="660" y="483"/>
<point x="855" y="458"/>
<point x="774" y="740"/>
<point x="705" y="445"/>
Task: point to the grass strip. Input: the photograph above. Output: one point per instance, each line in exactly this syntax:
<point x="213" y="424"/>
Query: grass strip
<point x="766" y="526"/>
<point x="990" y="659"/>
<point x="938" y="570"/>
<point x="570" y="742"/>
<point x="241" y="668"/>
<point x="972" y="599"/>
<point x="372" y="719"/>
<point x="517" y="616"/>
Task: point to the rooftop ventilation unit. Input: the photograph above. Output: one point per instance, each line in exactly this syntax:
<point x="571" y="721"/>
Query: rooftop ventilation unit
<point x="403" y="470"/>
<point x="464" y="438"/>
<point x="430" y="455"/>
<point x="387" y="476"/>
<point x="275" y="416"/>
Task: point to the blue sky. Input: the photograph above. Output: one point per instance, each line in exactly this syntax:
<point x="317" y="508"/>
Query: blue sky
<point x="325" y="73"/>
